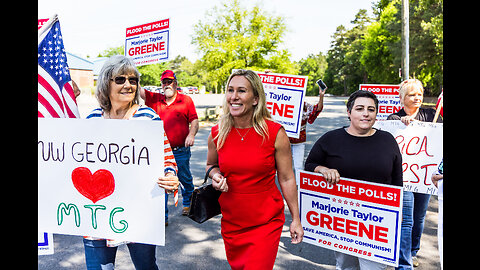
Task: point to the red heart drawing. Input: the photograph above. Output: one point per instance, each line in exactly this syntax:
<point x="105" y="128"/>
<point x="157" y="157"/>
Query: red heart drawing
<point x="94" y="187"/>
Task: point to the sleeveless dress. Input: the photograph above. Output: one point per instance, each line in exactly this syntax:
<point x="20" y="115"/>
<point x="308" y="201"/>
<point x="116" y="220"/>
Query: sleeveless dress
<point x="252" y="209"/>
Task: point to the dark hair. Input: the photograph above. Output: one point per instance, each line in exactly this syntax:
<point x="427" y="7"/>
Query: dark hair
<point x="361" y="93"/>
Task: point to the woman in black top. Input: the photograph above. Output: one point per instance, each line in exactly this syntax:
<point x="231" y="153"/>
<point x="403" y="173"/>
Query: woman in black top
<point x="359" y="152"/>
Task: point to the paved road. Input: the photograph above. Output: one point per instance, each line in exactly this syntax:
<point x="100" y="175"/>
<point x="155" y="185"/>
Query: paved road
<point x="199" y="246"/>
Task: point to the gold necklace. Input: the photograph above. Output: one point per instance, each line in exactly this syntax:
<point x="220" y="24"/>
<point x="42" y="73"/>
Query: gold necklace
<point x="245" y="133"/>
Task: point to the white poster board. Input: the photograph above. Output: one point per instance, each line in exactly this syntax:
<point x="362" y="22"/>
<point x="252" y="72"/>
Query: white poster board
<point x="388" y="98"/>
<point x="421" y="146"/>
<point x="98" y="178"/>
<point x="285" y="95"/>
<point x="355" y="217"/>
<point x="148" y="43"/>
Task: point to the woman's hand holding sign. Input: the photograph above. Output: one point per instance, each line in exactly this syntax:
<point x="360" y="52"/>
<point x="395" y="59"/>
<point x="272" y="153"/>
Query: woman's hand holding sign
<point x="331" y="175"/>
<point x="169" y="182"/>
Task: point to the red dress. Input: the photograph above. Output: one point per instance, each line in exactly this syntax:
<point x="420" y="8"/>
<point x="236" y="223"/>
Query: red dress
<point x="252" y="209"/>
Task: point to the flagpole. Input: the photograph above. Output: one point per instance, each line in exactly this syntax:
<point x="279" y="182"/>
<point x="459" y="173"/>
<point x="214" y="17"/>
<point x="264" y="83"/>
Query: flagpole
<point x="439" y="108"/>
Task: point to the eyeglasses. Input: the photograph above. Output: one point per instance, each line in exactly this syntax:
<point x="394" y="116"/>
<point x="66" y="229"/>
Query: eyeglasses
<point x="167" y="81"/>
<point x="121" y="80"/>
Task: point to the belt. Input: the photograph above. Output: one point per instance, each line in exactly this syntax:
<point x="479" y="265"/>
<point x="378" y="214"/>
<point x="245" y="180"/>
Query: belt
<point x="176" y="148"/>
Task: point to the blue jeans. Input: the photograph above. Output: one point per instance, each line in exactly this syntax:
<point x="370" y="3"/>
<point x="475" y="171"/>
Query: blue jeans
<point x="413" y="219"/>
<point x="100" y="257"/>
<point x="182" y="157"/>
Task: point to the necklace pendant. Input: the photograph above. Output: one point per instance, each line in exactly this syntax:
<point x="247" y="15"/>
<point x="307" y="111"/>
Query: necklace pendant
<point x="242" y="139"/>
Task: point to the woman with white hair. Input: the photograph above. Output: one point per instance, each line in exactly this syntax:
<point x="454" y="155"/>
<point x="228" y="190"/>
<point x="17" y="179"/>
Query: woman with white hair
<point x="414" y="204"/>
<point x="117" y="94"/>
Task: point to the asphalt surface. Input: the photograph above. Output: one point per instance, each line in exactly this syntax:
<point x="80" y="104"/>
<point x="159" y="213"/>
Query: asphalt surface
<point x="200" y="246"/>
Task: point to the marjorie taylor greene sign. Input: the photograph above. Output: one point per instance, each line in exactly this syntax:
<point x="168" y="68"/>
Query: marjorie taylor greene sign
<point x="148" y="43"/>
<point x="98" y="178"/>
<point x="285" y="95"/>
<point x="388" y="98"/>
<point x="355" y="217"/>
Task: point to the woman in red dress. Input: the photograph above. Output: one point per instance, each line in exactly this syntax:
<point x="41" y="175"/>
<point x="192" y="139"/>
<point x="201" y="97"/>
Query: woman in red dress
<point x="250" y="149"/>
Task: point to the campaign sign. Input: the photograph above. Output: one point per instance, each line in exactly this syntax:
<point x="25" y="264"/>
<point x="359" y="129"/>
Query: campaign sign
<point x="148" y="43"/>
<point x="388" y="98"/>
<point x="45" y="243"/>
<point x="285" y="95"/>
<point x="41" y="22"/>
<point x="355" y="217"/>
<point x="421" y="146"/>
<point x="98" y="178"/>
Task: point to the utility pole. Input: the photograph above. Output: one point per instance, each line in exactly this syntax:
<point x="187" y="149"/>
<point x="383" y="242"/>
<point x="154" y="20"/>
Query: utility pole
<point x="405" y="40"/>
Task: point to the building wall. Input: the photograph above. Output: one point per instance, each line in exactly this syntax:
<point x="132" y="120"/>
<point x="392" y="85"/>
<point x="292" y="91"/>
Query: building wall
<point x="83" y="78"/>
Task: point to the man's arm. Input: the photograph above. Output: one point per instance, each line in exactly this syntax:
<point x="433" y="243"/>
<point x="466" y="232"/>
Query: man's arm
<point x="142" y="92"/>
<point x="190" y="140"/>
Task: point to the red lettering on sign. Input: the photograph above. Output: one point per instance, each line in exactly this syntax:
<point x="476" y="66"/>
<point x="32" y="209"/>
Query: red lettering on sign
<point x="285" y="110"/>
<point x="343" y="225"/>
<point x="153" y="47"/>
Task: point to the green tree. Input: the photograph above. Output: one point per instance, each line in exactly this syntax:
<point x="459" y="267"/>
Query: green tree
<point x="112" y="51"/>
<point x="314" y="67"/>
<point x="151" y="74"/>
<point x="232" y="37"/>
<point x="382" y="52"/>
<point x="345" y="71"/>
<point x="185" y="71"/>
<point x="381" y="56"/>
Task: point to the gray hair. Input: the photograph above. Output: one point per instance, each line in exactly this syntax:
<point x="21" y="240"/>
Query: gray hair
<point x="114" y="66"/>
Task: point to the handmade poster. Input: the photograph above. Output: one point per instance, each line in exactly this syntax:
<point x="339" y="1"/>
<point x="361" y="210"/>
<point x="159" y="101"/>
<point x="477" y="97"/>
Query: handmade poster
<point x="148" y="43"/>
<point x="388" y="98"/>
<point x="421" y="146"/>
<point x="285" y="95"/>
<point x="98" y="178"/>
<point x="45" y="243"/>
<point x="355" y="217"/>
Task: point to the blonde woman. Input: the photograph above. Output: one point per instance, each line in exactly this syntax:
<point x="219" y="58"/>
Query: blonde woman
<point x="249" y="149"/>
<point x="414" y="204"/>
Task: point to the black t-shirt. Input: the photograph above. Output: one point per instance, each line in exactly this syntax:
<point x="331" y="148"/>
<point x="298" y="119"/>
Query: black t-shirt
<point x="374" y="158"/>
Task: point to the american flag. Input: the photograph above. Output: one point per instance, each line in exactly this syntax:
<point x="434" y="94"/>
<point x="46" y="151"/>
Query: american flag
<point x="55" y="92"/>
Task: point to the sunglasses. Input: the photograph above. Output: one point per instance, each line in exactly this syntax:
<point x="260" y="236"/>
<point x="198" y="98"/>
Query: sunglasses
<point x="167" y="81"/>
<point x="121" y="80"/>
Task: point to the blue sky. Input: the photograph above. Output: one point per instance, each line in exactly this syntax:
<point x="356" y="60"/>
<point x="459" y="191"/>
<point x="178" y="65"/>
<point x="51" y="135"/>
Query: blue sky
<point x="91" y="26"/>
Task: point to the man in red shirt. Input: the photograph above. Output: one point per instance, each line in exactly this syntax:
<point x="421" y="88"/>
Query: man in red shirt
<point x="180" y="121"/>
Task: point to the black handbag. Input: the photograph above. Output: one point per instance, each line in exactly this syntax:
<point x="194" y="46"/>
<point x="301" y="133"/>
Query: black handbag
<point x="204" y="203"/>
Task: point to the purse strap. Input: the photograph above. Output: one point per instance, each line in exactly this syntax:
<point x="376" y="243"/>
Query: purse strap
<point x="208" y="172"/>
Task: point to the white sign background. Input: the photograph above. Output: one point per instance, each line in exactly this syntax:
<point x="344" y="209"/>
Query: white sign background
<point x="150" y="44"/>
<point x="380" y="206"/>
<point x="136" y="190"/>
<point x="421" y="145"/>
<point x="288" y="92"/>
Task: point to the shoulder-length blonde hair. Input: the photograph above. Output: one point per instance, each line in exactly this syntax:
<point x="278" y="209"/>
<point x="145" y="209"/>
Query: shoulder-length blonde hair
<point x="260" y="112"/>
<point x="407" y="85"/>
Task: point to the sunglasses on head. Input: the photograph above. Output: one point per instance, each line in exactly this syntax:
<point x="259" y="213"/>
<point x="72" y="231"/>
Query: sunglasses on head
<point x="122" y="79"/>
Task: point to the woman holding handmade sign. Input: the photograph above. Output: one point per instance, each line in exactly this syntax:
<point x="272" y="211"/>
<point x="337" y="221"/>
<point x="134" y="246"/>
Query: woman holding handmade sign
<point x="414" y="204"/>
<point x="247" y="149"/>
<point x="358" y="151"/>
<point x="117" y="94"/>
